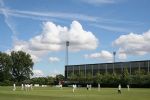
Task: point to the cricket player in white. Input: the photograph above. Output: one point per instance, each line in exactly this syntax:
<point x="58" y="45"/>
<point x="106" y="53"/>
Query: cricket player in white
<point x="128" y="87"/>
<point x="14" y="89"/>
<point x="73" y="88"/>
<point x="22" y="87"/>
<point x="99" y="86"/>
<point x="119" y="89"/>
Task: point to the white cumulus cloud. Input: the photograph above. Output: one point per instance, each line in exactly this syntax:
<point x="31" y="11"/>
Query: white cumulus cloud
<point x="121" y="55"/>
<point x="134" y="44"/>
<point x="54" y="73"/>
<point x="105" y="55"/>
<point x="53" y="38"/>
<point x="38" y="73"/>
<point x="53" y="59"/>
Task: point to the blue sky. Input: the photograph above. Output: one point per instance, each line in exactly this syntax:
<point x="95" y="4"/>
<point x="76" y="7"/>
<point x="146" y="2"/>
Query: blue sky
<point x="95" y="28"/>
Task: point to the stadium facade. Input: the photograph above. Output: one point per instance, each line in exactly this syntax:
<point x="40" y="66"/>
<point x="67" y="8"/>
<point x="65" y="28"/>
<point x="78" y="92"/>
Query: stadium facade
<point x="103" y="68"/>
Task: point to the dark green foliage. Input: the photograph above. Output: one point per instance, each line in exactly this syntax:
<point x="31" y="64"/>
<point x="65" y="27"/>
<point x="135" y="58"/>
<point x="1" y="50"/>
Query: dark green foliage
<point x="59" y="78"/>
<point x="81" y="78"/>
<point x="22" y="66"/>
<point x="73" y="78"/>
<point x="18" y="66"/>
<point x="98" y="78"/>
<point x="89" y="78"/>
<point x="48" y="80"/>
<point x="5" y="66"/>
<point x="40" y="80"/>
<point x="15" y="67"/>
<point x="125" y="78"/>
<point x="139" y="79"/>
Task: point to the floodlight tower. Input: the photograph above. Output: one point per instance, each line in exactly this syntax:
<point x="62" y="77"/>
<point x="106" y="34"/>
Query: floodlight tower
<point x="67" y="47"/>
<point x="114" y="54"/>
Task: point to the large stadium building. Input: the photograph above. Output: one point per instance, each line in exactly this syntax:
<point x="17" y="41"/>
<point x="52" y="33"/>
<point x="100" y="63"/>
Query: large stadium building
<point x="103" y="68"/>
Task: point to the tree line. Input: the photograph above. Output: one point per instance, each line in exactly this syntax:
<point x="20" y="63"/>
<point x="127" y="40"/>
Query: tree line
<point x="49" y="80"/>
<point x="17" y="67"/>
<point x="139" y="79"/>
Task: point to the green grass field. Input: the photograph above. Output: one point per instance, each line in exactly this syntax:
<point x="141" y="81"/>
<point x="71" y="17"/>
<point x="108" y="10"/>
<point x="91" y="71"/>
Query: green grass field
<point x="50" y="93"/>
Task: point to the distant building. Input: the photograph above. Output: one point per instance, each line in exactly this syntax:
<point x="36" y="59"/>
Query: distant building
<point x="103" y="68"/>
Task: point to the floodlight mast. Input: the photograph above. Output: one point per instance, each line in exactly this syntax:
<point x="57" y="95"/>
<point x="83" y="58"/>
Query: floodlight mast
<point x="67" y="47"/>
<point x="114" y="54"/>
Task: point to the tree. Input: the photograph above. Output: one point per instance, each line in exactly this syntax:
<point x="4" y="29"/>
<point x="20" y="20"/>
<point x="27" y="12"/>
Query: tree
<point x="139" y="72"/>
<point x="81" y="77"/>
<point x="50" y="80"/>
<point x="40" y="80"/>
<point x="89" y="78"/>
<point x="73" y="78"/>
<point x="59" y="78"/>
<point x="138" y="77"/>
<point x="98" y="78"/>
<point x="22" y="66"/>
<point x="5" y="65"/>
<point x="125" y="78"/>
<point x="115" y="79"/>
